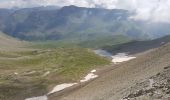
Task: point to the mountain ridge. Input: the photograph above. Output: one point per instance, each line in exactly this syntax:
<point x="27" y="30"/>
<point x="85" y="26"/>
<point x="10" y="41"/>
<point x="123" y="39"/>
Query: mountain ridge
<point x="55" y="24"/>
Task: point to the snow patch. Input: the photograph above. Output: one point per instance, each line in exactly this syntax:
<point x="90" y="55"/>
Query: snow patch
<point x="121" y="57"/>
<point x="89" y="76"/>
<point x="61" y="87"/>
<point x="118" y="58"/>
<point x="38" y="98"/>
<point x="93" y="71"/>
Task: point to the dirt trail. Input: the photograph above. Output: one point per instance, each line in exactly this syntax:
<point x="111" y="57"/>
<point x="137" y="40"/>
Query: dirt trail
<point x="113" y="81"/>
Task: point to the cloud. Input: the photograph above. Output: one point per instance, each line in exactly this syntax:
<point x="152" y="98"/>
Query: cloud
<point x="149" y="10"/>
<point x="19" y="3"/>
<point x="152" y="10"/>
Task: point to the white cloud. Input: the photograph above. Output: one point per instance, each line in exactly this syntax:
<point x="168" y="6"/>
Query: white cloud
<point x="152" y="10"/>
<point x="20" y="3"/>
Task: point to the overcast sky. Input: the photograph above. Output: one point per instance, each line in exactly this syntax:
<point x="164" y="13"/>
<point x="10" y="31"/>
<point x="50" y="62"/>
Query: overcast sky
<point x="153" y="10"/>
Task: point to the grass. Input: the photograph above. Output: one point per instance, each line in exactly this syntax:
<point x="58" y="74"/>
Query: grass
<point x="67" y="58"/>
<point x="64" y="64"/>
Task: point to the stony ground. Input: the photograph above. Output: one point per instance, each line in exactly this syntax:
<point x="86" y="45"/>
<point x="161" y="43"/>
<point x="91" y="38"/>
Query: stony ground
<point x="154" y="88"/>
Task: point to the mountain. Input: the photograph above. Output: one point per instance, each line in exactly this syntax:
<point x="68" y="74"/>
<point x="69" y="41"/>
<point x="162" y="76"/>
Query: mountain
<point x="4" y="13"/>
<point x="44" y="23"/>
<point x="78" y="25"/>
<point x="33" y="23"/>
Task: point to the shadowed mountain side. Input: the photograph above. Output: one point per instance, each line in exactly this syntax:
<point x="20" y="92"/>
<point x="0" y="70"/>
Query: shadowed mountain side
<point x="137" y="46"/>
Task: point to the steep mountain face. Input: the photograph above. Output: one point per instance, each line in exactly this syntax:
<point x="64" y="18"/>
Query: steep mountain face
<point x="4" y="13"/>
<point x="53" y="23"/>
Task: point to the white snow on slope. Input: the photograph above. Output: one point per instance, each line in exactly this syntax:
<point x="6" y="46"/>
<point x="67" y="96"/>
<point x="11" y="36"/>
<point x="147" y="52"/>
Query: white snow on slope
<point x="61" y="87"/>
<point x="93" y="71"/>
<point x="89" y="76"/>
<point x="121" y="57"/>
<point x="38" y="98"/>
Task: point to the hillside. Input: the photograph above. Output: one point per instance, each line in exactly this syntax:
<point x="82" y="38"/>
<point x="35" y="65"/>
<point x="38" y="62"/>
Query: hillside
<point x="7" y="41"/>
<point x="27" y="72"/>
<point x="120" y="80"/>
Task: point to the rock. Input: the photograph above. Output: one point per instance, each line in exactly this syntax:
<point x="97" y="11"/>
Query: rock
<point x="167" y="67"/>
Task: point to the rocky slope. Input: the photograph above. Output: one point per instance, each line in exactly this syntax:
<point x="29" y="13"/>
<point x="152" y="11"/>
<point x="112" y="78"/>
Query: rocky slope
<point x="123" y="81"/>
<point x="156" y="87"/>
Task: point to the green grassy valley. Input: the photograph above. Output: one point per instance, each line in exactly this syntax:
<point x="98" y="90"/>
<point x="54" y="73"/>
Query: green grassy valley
<point x="25" y="71"/>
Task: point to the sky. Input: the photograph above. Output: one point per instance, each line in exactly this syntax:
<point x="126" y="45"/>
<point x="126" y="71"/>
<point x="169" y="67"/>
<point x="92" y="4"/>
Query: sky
<point x="152" y="10"/>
